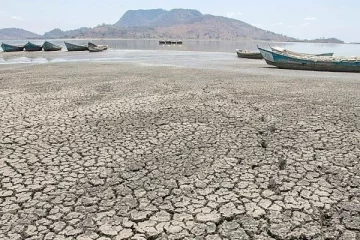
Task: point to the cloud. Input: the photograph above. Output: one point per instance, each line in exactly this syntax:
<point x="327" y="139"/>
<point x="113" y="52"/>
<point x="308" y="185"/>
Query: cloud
<point x="310" y="18"/>
<point x="278" y="24"/>
<point x="17" y="18"/>
<point x="234" y="14"/>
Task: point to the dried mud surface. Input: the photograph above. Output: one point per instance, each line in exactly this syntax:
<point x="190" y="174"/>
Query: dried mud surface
<point x="125" y="151"/>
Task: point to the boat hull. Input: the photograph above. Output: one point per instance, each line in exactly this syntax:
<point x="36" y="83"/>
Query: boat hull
<point x="31" y="47"/>
<point x="250" y="55"/>
<point x="96" y="48"/>
<point x="324" y="64"/>
<point x="48" y="46"/>
<point x="11" y="48"/>
<point x="72" y="47"/>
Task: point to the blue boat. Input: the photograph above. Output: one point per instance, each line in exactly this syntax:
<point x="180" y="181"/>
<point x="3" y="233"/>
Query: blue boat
<point x="32" y="47"/>
<point x="313" y="63"/>
<point x="12" y="48"/>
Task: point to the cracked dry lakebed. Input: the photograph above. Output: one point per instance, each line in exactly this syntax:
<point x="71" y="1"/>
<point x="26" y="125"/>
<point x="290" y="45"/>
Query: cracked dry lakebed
<point x="131" y="150"/>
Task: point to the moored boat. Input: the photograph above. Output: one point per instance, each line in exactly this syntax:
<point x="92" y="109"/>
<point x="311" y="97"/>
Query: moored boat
<point x="248" y="54"/>
<point x="314" y="63"/>
<point x="74" y="47"/>
<point x="48" y="46"/>
<point x="12" y="48"/>
<point x="285" y="51"/>
<point x="170" y="42"/>
<point x="31" y="47"/>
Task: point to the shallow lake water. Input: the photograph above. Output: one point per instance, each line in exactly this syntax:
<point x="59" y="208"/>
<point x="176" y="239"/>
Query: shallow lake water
<point x="135" y="49"/>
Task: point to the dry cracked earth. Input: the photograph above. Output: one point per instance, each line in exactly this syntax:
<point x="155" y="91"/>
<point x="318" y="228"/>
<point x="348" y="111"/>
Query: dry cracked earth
<point x="124" y="151"/>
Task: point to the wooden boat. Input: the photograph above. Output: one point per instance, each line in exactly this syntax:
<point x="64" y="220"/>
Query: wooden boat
<point x="31" y="47"/>
<point x="283" y="50"/>
<point x="162" y="42"/>
<point x="12" y="48"/>
<point x="96" y="48"/>
<point x="168" y="42"/>
<point x="179" y="42"/>
<point x="73" y="47"/>
<point x="48" y="46"/>
<point x="314" y="63"/>
<point x="248" y="54"/>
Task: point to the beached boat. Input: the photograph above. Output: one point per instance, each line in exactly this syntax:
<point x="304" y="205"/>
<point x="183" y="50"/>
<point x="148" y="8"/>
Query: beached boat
<point x="96" y="48"/>
<point x="179" y="42"/>
<point x="162" y="42"/>
<point x="12" y="48"/>
<point x="248" y="54"/>
<point x="314" y="63"/>
<point x="31" y="47"/>
<point x="48" y="46"/>
<point x="73" y="47"/>
<point x="283" y="50"/>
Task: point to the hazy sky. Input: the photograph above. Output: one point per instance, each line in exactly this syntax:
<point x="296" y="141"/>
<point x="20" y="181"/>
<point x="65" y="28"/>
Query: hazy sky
<point x="305" y="19"/>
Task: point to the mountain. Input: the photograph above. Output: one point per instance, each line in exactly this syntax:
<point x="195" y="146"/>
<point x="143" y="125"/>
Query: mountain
<point x="103" y="31"/>
<point x="192" y="24"/>
<point x="157" y="17"/>
<point x="16" y="33"/>
<point x="163" y="24"/>
<point x="139" y="17"/>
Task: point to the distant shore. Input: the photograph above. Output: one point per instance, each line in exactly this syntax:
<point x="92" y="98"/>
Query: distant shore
<point x="184" y="39"/>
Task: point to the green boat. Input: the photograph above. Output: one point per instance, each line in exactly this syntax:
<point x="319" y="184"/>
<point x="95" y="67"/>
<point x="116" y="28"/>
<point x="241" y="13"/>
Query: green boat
<point x="48" y="46"/>
<point x="31" y="47"/>
<point x="314" y="63"/>
<point x="248" y="54"/>
<point x="12" y="48"/>
<point x="73" y="47"/>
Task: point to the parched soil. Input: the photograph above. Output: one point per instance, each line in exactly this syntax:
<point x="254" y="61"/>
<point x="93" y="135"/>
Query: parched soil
<point x="127" y="151"/>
